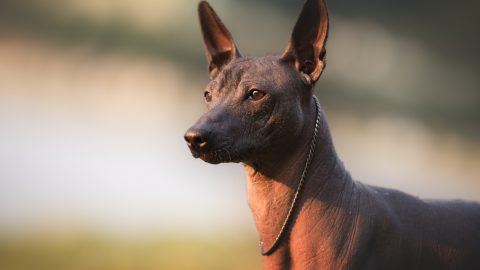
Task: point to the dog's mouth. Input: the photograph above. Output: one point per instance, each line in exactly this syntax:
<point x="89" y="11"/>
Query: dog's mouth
<point x="222" y="155"/>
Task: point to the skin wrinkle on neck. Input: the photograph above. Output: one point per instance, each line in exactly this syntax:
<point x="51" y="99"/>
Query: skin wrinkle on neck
<point x="328" y="202"/>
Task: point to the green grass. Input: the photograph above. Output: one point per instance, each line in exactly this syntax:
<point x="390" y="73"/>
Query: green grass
<point x="90" y="251"/>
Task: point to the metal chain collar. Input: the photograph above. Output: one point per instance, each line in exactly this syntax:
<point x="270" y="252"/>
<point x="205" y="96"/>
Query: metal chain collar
<point x="311" y="151"/>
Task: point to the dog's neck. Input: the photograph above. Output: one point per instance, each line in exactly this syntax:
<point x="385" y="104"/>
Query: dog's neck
<point x="272" y="184"/>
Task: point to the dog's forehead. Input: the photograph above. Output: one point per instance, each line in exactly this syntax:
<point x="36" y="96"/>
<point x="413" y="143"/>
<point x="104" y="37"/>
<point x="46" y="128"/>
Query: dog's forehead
<point x="250" y="69"/>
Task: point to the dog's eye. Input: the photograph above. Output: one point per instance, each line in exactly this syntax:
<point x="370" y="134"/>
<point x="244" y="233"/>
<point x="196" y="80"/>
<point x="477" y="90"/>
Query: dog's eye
<point x="255" y="94"/>
<point x="208" y="96"/>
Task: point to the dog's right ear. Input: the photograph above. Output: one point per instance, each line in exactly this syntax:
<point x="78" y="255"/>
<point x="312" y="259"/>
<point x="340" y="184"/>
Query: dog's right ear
<point x="219" y="44"/>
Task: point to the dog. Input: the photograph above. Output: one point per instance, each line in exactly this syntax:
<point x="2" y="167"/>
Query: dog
<point x="309" y="212"/>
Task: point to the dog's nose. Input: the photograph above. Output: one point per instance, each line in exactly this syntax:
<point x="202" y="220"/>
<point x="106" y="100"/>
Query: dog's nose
<point x="195" y="140"/>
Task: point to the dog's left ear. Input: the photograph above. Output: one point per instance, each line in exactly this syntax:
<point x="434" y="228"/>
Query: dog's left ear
<point x="306" y="48"/>
<point x="219" y="44"/>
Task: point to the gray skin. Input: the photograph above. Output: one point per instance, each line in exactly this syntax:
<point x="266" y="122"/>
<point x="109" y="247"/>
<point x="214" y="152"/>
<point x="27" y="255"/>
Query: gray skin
<point x="243" y="130"/>
<point x="338" y="223"/>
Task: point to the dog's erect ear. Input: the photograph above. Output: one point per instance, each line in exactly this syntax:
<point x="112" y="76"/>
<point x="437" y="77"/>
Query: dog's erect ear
<point x="219" y="44"/>
<point x="306" y="48"/>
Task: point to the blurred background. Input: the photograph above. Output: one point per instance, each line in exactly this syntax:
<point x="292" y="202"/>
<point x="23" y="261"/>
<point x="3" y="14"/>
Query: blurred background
<point x="95" y="97"/>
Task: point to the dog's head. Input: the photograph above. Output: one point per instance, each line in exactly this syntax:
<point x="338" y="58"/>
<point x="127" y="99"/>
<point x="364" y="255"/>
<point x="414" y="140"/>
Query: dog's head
<point x="257" y="104"/>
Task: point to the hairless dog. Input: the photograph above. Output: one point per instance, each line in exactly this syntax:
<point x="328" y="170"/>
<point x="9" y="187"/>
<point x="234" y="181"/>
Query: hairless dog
<point x="309" y="212"/>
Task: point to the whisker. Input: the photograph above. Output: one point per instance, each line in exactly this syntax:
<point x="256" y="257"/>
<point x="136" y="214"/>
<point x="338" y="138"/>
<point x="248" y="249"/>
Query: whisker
<point x="229" y="156"/>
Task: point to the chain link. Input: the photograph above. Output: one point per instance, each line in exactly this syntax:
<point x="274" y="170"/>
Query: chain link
<point x="311" y="151"/>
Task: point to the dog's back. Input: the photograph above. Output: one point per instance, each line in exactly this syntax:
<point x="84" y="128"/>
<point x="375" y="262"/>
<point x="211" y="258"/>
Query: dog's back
<point x="411" y="233"/>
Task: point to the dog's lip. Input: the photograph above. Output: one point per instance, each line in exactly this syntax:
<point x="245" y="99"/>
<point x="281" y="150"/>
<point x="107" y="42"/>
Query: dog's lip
<point x="206" y="153"/>
<point x="199" y="154"/>
<point x="215" y="156"/>
<point x="209" y="155"/>
<point x="194" y="152"/>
